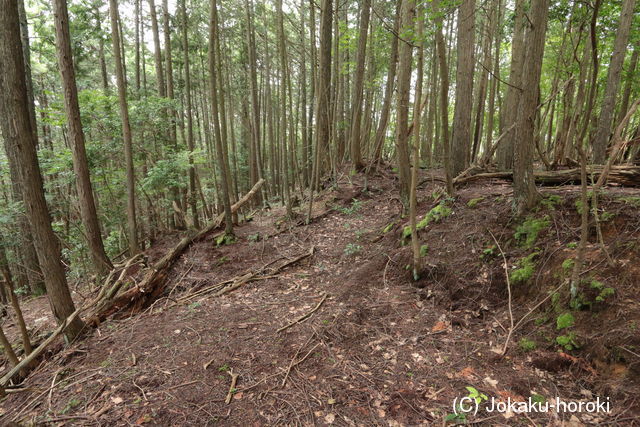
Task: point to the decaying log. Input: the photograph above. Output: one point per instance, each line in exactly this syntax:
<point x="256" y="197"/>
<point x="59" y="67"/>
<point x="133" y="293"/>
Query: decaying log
<point x="628" y="176"/>
<point x="152" y="283"/>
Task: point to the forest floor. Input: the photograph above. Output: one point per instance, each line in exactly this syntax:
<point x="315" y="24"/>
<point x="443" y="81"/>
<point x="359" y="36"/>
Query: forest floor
<point x="376" y="347"/>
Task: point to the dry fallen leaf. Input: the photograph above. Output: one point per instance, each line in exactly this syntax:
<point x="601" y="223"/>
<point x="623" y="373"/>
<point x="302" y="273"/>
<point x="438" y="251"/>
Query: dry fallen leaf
<point x="330" y="418"/>
<point x="439" y="326"/>
<point x="116" y="400"/>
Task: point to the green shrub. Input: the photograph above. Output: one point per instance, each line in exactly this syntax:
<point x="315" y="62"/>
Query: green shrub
<point x="474" y="202"/>
<point x="525" y="270"/>
<point x="565" y="320"/>
<point x="527" y="344"/>
<point x="436" y="214"/>
<point x="527" y="232"/>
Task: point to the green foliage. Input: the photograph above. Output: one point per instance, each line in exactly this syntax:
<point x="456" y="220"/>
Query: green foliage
<point x="352" y="209"/>
<point x="565" y="320"/>
<point x="527" y="232"/>
<point x="435" y="215"/>
<point x="352" y="249"/>
<point x="424" y="249"/>
<point x="253" y="237"/>
<point x="474" y="202"/>
<point x="568" y="341"/>
<point x="631" y="200"/>
<point x="489" y="252"/>
<point x="388" y="227"/>
<point x="525" y="270"/>
<point x="527" y="345"/>
<point x="225" y="239"/>
<point x="605" y="291"/>
<point x="567" y="265"/>
<point x="572" y="245"/>
<point x="607" y="216"/>
<point x="550" y="201"/>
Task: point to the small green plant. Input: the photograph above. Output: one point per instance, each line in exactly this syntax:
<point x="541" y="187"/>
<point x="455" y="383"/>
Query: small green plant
<point x="254" y="237"/>
<point x="567" y="265"/>
<point x="70" y="405"/>
<point x="436" y="214"/>
<point x="424" y="249"/>
<point x="572" y="245"/>
<point x="565" y="320"/>
<point x="527" y="232"/>
<point x="194" y="305"/>
<point x="352" y="209"/>
<point x="224" y="368"/>
<point x="225" y="239"/>
<point x="476" y="395"/>
<point x="474" y="202"/>
<point x="525" y="270"/>
<point x="605" y="291"/>
<point x="489" y="252"/>
<point x="631" y="200"/>
<point x="550" y="201"/>
<point x="607" y="216"/>
<point x="568" y="341"/>
<point x="388" y="227"/>
<point x="527" y="345"/>
<point x="352" y="249"/>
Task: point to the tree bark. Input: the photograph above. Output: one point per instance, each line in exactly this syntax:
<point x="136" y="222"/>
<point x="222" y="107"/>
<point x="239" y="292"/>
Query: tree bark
<point x="88" y="213"/>
<point x="605" y="119"/>
<point x="461" y="135"/>
<point x="525" y="193"/>
<point x="132" y="227"/>
<point x="356" y="103"/>
<point x="16" y="128"/>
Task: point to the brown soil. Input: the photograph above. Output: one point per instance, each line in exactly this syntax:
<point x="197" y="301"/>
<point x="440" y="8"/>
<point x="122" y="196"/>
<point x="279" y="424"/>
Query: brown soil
<point x="381" y="349"/>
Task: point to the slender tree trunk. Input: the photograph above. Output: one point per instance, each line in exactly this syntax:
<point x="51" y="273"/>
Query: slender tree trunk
<point x="16" y="129"/>
<point x="132" y="227"/>
<point x="88" y="213"/>
<point x="356" y="103"/>
<point x="605" y="119"/>
<point x="461" y="136"/>
<point x="524" y="190"/>
<point x="514" y="88"/>
<point x="444" y="98"/>
<point x="213" y="87"/>
<point x="415" y="243"/>
<point x="11" y="296"/>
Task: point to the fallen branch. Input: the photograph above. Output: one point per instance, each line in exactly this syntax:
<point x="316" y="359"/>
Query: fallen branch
<point x="151" y="285"/>
<point x="263" y="272"/>
<point x="304" y="316"/>
<point x="622" y="175"/>
<point x="232" y="387"/>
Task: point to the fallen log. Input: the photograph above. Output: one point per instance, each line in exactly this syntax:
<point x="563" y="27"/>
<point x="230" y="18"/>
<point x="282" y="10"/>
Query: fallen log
<point x="628" y="176"/>
<point x="152" y="283"/>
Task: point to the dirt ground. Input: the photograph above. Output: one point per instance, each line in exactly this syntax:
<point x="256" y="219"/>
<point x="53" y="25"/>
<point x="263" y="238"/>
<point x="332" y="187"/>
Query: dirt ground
<point x="375" y="347"/>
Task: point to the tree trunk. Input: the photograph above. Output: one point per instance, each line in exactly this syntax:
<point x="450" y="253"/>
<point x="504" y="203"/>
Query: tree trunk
<point x="132" y="228"/>
<point x="356" y="103"/>
<point x="213" y="87"/>
<point x="524" y="190"/>
<point x="88" y="213"/>
<point x="404" y="87"/>
<point x="461" y="135"/>
<point x="16" y="128"/>
<point x="514" y="88"/>
<point x="605" y="119"/>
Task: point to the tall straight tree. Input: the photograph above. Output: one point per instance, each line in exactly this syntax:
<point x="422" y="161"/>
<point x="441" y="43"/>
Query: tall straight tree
<point x="605" y="119"/>
<point x="524" y="190"/>
<point x="214" y="77"/>
<point x="76" y="137"/>
<point x="407" y="15"/>
<point x="190" y="143"/>
<point x="323" y="96"/>
<point x="16" y="129"/>
<point x="132" y="226"/>
<point x="514" y="88"/>
<point x="356" y="103"/>
<point x="461" y="136"/>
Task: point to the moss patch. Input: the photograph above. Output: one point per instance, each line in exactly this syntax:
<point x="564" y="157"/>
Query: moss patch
<point x="527" y="232"/>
